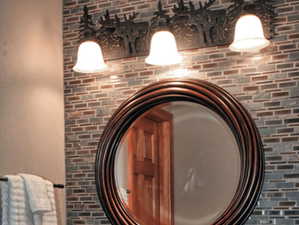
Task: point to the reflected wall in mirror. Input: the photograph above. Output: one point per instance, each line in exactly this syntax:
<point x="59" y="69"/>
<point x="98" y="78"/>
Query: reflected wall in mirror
<point x="180" y="152"/>
<point x="178" y="163"/>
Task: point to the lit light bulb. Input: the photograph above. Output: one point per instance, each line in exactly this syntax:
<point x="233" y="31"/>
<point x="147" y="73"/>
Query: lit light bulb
<point x="163" y="49"/>
<point x="90" y="58"/>
<point x="249" y="35"/>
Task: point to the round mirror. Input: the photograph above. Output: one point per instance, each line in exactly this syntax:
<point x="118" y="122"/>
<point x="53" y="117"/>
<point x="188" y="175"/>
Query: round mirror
<point x="180" y="152"/>
<point x="178" y="163"/>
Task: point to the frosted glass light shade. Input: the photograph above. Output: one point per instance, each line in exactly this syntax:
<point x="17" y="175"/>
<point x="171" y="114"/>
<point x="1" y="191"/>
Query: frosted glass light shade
<point x="249" y="35"/>
<point x="90" y="58"/>
<point x="163" y="49"/>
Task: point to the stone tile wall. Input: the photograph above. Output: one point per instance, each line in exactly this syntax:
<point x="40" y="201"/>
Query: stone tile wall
<point x="266" y="83"/>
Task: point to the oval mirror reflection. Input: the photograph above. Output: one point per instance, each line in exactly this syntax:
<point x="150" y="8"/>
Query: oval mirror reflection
<point x="177" y="164"/>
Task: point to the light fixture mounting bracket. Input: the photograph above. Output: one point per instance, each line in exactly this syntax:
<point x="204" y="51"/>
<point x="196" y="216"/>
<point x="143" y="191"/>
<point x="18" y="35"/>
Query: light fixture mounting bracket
<point x="193" y="27"/>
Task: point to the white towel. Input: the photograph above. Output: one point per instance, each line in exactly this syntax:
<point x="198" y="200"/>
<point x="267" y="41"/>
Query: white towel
<point x="41" y="196"/>
<point x="48" y="218"/>
<point x="15" y="205"/>
<point x="4" y="202"/>
<point x="36" y="189"/>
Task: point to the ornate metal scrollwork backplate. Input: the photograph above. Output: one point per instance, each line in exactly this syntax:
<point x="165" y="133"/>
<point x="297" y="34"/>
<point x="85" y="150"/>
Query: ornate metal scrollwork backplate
<point x="194" y="26"/>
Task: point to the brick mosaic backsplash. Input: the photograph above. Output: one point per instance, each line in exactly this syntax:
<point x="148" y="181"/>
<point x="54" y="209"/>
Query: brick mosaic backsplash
<point x="266" y="83"/>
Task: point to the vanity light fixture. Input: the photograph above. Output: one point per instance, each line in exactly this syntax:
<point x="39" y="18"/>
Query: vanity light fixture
<point x="89" y="57"/>
<point x="249" y="35"/>
<point x="245" y="24"/>
<point x="163" y="48"/>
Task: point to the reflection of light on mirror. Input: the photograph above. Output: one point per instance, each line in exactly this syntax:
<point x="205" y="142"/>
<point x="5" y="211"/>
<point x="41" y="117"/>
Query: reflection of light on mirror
<point x="193" y="181"/>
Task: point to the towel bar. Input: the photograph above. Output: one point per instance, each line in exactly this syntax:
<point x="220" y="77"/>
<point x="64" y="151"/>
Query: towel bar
<point x="4" y="179"/>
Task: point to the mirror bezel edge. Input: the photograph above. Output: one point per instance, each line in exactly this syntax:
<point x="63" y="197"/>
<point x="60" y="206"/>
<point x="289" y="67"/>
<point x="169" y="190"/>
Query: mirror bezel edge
<point x="198" y="91"/>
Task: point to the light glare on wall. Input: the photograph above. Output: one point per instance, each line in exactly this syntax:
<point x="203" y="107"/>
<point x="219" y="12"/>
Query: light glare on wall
<point x="163" y="49"/>
<point x="90" y="58"/>
<point x="249" y="35"/>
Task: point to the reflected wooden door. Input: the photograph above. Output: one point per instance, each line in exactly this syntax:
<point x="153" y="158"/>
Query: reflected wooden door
<point x="150" y="168"/>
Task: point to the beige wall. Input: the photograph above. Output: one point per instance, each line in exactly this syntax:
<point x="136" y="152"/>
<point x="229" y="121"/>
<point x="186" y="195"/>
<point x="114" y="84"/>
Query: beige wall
<point x="31" y="89"/>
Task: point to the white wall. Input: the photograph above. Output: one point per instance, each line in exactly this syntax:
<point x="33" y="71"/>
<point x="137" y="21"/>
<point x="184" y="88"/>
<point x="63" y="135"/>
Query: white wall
<point x="31" y="89"/>
<point x="206" y="164"/>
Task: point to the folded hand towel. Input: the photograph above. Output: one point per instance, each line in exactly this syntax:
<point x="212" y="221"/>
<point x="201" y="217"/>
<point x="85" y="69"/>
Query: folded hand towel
<point x="16" y="206"/>
<point x="47" y="218"/>
<point x="37" y="192"/>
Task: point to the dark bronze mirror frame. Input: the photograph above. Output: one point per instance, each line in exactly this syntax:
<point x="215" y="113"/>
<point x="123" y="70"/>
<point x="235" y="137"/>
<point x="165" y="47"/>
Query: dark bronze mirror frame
<point x="197" y="91"/>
